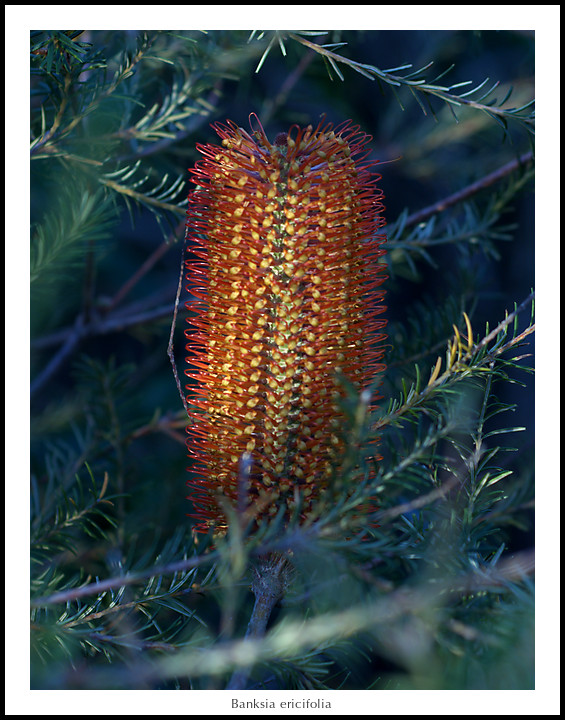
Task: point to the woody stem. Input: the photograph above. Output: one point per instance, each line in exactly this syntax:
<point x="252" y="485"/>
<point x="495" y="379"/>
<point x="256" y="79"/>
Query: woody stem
<point x="271" y="578"/>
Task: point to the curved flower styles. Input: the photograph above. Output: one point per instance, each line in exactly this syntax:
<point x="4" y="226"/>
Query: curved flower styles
<point x="286" y="237"/>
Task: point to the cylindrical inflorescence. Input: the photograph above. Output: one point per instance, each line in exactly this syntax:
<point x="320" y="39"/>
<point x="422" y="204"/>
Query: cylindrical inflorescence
<point x="286" y="238"/>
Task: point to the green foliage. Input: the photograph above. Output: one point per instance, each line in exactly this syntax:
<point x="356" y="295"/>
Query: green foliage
<point x="416" y="570"/>
<point x="77" y="219"/>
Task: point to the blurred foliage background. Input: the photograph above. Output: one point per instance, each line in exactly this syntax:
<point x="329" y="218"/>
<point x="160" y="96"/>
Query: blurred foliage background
<point x="115" y="119"/>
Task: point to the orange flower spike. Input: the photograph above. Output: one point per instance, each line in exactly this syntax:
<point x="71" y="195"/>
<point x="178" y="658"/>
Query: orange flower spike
<point x="288" y="293"/>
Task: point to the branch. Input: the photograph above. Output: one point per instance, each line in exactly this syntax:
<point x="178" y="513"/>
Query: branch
<point x="80" y="330"/>
<point x="101" y="586"/>
<point x="419" y="502"/>
<point x="72" y="339"/>
<point x="111" y="323"/>
<point x="301" y="636"/>
<point x="470" y="190"/>
<point x="416" y="83"/>
<point x="145" y="267"/>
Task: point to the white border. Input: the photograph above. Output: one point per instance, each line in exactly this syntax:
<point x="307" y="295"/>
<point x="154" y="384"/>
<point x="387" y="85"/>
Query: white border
<point x="545" y="20"/>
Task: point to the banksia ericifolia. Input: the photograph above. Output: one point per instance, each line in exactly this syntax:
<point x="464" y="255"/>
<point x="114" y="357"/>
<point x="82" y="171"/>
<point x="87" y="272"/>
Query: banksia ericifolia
<point x="287" y="239"/>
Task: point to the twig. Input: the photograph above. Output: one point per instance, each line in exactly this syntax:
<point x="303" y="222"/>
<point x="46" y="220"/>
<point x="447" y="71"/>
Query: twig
<point x="72" y="336"/>
<point x="419" y="502"/>
<point x="170" y="347"/>
<point x="71" y="342"/>
<point x="507" y="321"/>
<point x="165" y="425"/>
<point x="270" y="106"/>
<point x="145" y="267"/>
<point x="471" y="189"/>
<point x="122" y="606"/>
<point x="142" y="198"/>
<point x="102" y="586"/>
<point x="38" y="143"/>
<point x="371" y="72"/>
<point x="127" y="317"/>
